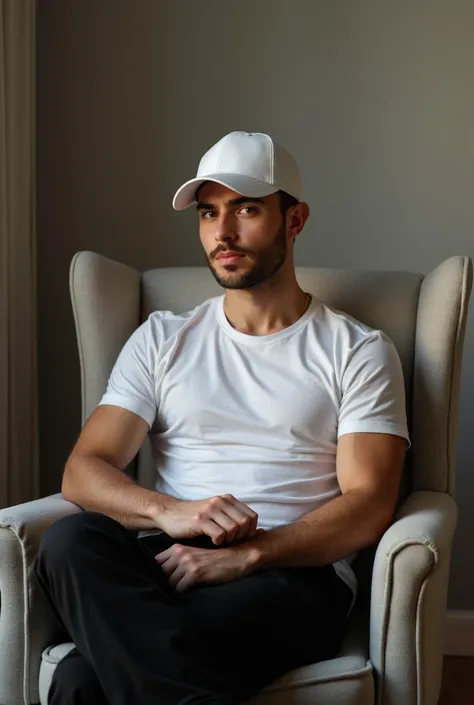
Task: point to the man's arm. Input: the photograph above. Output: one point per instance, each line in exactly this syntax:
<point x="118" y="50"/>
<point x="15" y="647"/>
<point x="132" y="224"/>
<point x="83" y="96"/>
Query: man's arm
<point x="94" y="479"/>
<point x="369" y="467"/>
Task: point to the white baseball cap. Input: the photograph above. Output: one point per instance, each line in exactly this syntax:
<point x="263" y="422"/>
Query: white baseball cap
<point x="250" y="163"/>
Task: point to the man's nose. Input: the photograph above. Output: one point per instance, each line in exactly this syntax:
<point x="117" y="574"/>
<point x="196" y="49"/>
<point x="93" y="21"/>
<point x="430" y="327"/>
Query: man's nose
<point x="225" y="228"/>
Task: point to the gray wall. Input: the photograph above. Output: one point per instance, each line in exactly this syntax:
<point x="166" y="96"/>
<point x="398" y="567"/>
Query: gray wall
<point x="375" y="99"/>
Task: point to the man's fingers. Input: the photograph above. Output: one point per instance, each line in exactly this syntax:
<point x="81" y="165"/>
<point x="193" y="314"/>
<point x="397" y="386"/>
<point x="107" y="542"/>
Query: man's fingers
<point x="213" y="530"/>
<point x="244" y="508"/>
<point x="245" y="517"/>
<point x="230" y="524"/>
<point x="225" y="519"/>
<point x="176" y="566"/>
<point x="164" y="555"/>
<point x="253" y="517"/>
<point x="168" y="567"/>
<point x="184" y="580"/>
<point x="251" y="526"/>
<point x="242" y="523"/>
<point x="177" y="575"/>
<point x="170" y="559"/>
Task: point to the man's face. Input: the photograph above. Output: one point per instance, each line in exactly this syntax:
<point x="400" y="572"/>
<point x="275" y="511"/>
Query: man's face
<point x="244" y="239"/>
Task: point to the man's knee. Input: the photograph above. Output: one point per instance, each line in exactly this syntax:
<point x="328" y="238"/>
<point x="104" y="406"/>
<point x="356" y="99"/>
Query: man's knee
<point x="65" y="540"/>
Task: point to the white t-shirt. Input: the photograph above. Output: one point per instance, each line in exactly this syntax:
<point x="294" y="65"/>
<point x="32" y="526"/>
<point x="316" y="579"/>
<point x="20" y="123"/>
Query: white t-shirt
<point x="258" y="416"/>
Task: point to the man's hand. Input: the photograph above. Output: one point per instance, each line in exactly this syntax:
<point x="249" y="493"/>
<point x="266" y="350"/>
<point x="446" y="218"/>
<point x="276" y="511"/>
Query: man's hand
<point x="223" y="518"/>
<point x="186" y="566"/>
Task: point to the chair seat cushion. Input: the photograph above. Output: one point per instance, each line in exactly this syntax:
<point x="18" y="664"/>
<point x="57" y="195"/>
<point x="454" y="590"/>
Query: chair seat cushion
<point x="345" y="680"/>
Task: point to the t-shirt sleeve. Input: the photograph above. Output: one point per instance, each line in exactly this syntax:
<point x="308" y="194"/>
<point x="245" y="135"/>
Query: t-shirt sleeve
<point x="131" y="383"/>
<point x="373" y="390"/>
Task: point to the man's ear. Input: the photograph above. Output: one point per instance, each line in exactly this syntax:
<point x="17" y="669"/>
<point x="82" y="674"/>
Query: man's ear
<point x="297" y="215"/>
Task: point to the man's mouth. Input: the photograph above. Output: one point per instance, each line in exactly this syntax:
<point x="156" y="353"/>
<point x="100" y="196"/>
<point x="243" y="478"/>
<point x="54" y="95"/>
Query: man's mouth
<point x="229" y="257"/>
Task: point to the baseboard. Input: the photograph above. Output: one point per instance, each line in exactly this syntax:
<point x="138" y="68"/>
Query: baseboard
<point x="459" y="634"/>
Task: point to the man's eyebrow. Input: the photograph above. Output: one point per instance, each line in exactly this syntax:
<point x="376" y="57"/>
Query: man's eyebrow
<point x="243" y="199"/>
<point x="233" y="202"/>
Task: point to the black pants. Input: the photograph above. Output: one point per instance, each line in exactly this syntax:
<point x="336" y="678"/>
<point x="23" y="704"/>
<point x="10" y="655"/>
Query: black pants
<point x="138" y="642"/>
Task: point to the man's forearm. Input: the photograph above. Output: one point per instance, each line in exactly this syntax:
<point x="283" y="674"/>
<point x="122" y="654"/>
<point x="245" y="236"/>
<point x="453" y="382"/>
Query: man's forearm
<point x="347" y="524"/>
<point x="96" y="485"/>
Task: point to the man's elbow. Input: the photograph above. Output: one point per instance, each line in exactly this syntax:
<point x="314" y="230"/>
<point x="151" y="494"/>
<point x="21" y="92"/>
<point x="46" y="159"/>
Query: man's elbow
<point x="67" y="490"/>
<point x="68" y="485"/>
<point x="382" y="521"/>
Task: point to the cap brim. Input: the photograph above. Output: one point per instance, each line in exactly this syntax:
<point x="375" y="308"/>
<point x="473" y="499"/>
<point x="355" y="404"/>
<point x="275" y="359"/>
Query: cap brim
<point x="245" y="185"/>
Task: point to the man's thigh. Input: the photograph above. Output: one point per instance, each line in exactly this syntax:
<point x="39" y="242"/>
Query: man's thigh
<point x="261" y="626"/>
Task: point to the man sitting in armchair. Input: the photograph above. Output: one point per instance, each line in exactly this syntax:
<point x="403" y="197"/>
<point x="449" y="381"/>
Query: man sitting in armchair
<point x="279" y="430"/>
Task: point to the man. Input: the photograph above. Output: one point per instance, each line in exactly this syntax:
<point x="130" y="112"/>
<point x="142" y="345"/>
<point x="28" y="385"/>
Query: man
<point x="279" y="431"/>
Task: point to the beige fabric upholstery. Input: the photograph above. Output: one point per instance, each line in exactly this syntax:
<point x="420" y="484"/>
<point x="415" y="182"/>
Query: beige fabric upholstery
<point x="409" y="591"/>
<point x="401" y="641"/>
<point x="26" y="622"/>
<point x="106" y="307"/>
<point x="440" y="329"/>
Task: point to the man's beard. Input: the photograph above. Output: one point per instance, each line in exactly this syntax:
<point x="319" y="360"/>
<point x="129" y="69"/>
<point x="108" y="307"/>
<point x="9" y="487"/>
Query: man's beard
<point x="266" y="264"/>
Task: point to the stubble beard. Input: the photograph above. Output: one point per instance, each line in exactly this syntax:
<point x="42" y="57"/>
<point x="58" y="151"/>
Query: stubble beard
<point x="266" y="264"/>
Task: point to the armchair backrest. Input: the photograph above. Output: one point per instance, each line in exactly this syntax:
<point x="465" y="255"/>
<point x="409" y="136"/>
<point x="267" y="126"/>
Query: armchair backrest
<point x="425" y="316"/>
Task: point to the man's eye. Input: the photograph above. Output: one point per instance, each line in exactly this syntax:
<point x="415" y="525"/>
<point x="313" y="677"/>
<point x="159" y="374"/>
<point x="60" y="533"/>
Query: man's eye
<point x="207" y="214"/>
<point x="248" y="210"/>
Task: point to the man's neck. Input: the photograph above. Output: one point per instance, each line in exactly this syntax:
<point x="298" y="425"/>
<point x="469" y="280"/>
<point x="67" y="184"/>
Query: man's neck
<point x="263" y="313"/>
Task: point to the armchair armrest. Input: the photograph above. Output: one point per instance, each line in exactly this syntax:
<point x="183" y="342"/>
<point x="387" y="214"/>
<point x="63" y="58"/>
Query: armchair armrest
<point x="27" y="625"/>
<point x="408" y="601"/>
